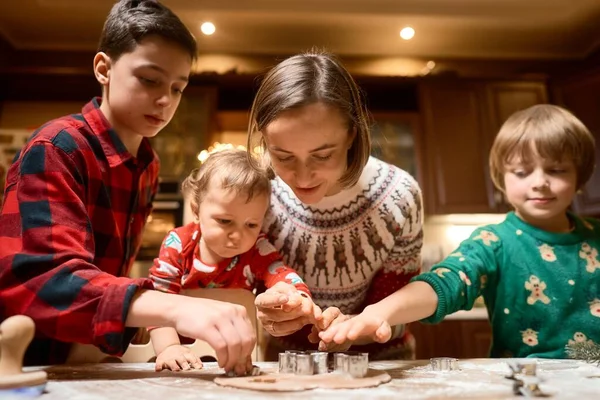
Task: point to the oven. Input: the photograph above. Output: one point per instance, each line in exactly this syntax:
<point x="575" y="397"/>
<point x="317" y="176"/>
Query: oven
<point x="167" y="214"/>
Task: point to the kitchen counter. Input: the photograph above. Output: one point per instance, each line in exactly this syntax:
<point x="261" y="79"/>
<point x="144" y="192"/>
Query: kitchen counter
<point x="477" y="378"/>
<point x="474" y="313"/>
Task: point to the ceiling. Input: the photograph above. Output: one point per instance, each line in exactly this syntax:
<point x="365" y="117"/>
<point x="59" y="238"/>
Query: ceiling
<point x="522" y="29"/>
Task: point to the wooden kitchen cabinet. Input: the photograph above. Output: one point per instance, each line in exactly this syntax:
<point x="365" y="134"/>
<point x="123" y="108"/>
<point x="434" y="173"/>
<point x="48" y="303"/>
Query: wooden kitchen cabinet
<point x="460" y="119"/>
<point x="465" y="338"/>
<point x="581" y="95"/>
<point x="502" y="100"/>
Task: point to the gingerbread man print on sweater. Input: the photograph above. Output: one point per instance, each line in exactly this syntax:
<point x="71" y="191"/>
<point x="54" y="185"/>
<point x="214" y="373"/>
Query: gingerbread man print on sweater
<point x="580" y="337"/>
<point x="339" y="256"/>
<point x="486" y="237"/>
<point x="536" y="287"/>
<point x="595" y="307"/>
<point x="590" y="255"/>
<point x="530" y="337"/>
<point x="547" y="252"/>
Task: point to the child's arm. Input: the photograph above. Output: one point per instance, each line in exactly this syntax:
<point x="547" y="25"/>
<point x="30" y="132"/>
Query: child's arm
<point x="414" y="302"/>
<point x="166" y="273"/>
<point x="452" y="285"/>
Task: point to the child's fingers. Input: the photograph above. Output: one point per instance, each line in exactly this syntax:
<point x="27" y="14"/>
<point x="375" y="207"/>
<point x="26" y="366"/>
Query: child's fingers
<point x="383" y="333"/>
<point x="182" y="362"/>
<point x="330" y="315"/>
<point x="313" y="337"/>
<point x="328" y="334"/>
<point x="172" y="365"/>
<point x="344" y="329"/>
<point x="193" y="360"/>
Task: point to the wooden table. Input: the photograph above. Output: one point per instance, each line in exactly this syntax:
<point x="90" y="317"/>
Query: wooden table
<point x="477" y="378"/>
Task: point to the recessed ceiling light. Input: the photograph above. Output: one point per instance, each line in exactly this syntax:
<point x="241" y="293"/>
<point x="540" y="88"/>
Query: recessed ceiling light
<point x="430" y="64"/>
<point x="208" y="28"/>
<point x="407" y="33"/>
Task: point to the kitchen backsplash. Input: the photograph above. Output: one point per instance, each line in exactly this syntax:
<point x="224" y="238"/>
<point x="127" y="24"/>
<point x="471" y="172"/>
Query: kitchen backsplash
<point x="443" y="233"/>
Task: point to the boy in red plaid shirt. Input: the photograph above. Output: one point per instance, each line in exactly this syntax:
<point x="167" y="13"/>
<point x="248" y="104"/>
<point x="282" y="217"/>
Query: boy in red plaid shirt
<point x="77" y="197"/>
<point x="222" y="248"/>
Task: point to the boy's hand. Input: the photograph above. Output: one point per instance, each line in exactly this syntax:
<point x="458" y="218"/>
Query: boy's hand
<point x="331" y="316"/>
<point x="363" y="325"/>
<point x="224" y="326"/>
<point x="177" y="357"/>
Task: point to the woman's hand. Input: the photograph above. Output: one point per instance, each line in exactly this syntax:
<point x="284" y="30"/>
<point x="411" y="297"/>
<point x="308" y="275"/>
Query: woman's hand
<point x="283" y="310"/>
<point x="365" y="325"/>
<point x="177" y="357"/>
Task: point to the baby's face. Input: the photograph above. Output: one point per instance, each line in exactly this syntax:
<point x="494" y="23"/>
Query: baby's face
<point x="541" y="190"/>
<point x="230" y="224"/>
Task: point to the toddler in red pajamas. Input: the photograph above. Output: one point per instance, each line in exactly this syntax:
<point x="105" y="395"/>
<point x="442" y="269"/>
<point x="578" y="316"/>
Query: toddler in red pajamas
<point x="222" y="248"/>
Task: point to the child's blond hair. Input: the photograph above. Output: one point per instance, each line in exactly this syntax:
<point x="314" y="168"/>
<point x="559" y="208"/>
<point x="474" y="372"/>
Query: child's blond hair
<point x="546" y="130"/>
<point x="230" y="169"/>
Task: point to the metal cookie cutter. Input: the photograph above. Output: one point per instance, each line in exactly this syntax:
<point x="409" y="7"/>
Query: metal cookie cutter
<point x="444" y="364"/>
<point x="303" y="362"/>
<point x="526" y="382"/>
<point x="351" y="362"/>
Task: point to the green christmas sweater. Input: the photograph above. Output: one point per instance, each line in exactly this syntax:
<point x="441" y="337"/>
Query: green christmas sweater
<point x="541" y="289"/>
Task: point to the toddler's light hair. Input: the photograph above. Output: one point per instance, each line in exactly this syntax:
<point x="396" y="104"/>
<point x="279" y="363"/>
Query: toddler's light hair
<point x="229" y="169"/>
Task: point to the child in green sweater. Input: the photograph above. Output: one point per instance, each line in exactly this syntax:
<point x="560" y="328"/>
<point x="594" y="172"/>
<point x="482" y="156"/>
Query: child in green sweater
<point x="538" y="270"/>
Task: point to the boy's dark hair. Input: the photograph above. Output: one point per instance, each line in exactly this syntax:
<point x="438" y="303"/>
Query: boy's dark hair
<point x="130" y="21"/>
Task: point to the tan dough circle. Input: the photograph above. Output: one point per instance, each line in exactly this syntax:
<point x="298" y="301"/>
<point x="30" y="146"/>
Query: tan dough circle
<point x="294" y="383"/>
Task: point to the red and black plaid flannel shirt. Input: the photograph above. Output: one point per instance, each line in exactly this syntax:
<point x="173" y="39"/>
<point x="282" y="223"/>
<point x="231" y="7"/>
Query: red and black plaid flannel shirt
<point x="75" y="205"/>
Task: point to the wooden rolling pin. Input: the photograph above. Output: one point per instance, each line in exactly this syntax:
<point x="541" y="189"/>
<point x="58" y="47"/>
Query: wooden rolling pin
<point x="15" y="335"/>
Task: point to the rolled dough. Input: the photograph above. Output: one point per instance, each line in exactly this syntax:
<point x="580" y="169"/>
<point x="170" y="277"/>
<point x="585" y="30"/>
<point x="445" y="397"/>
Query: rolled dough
<point x="273" y="382"/>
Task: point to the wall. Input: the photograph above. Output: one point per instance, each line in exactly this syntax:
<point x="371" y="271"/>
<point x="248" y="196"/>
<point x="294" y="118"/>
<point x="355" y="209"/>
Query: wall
<point x="18" y="119"/>
<point x="443" y="233"/>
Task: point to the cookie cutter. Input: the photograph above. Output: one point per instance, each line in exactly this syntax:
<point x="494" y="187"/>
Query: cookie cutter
<point x="524" y="367"/>
<point x="525" y="380"/>
<point x="444" y="364"/>
<point x="354" y="363"/>
<point x="303" y="362"/>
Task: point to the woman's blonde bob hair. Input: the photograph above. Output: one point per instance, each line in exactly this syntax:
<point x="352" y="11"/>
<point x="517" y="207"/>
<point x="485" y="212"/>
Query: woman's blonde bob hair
<point x="305" y="79"/>
<point x="547" y="131"/>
